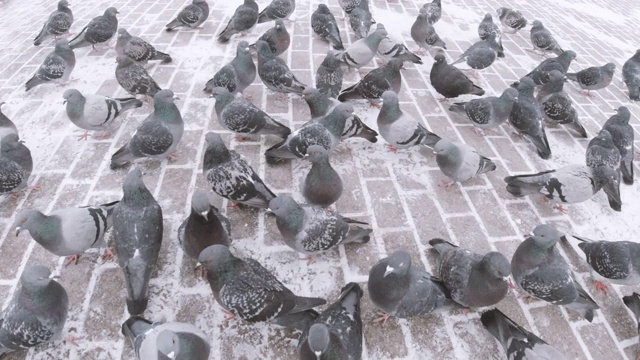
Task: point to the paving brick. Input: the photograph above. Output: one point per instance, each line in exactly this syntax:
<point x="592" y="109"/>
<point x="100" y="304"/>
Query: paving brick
<point x="556" y="331"/>
<point x="600" y="344"/>
<point x="492" y="216"/>
<point x="386" y="204"/>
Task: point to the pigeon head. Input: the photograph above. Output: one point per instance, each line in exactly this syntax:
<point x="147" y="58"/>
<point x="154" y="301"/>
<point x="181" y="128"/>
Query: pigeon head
<point x="123" y="34"/>
<point x="111" y="12"/>
<point x="168" y="344"/>
<point x="609" y="67"/>
<point x="165" y="96"/>
<point x="27" y="220"/>
<point x="318" y="339"/>
<point x="440" y="59"/>
<point x="444" y="147"/>
<point x="537" y="23"/>
<point x="280" y="25"/>
<point x="607" y="179"/>
<point x="496" y="264"/>
<point x="502" y="11"/>
<point x="124" y="61"/>
<point x="221" y="93"/>
<point x="398" y="264"/>
<point x="72" y="96"/>
<point x="395" y="64"/>
<point x="283" y="205"/>
<point x="310" y="93"/>
<point x="568" y="55"/>
<point x="546" y="236"/>
<point x="216" y="152"/>
<point x="316" y="154"/>
<point x="335" y="120"/>
<point x="62" y="45"/>
<point x="636" y="56"/>
<point x="603" y="139"/>
<point x="200" y="203"/>
<point x="526" y="85"/>
<point x="199" y="1"/>
<point x="331" y="61"/>
<point x="323" y="9"/>
<point x="216" y="257"/>
<point x="378" y="35"/>
<point x="390" y="110"/>
<point x="134" y="190"/>
<point x="35" y="277"/>
<point x="389" y="97"/>
<point x="509" y="93"/>
<point x="623" y="115"/>
<point x="263" y="49"/>
<point x="488" y="16"/>
<point x="63" y="4"/>
<point x="242" y="48"/>
<point x="10" y="142"/>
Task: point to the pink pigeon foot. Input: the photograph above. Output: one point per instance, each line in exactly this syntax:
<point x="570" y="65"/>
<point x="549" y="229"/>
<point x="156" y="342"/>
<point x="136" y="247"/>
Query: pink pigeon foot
<point x="391" y="148"/>
<point x="561" y="208"/>
<point x="231" y="315"/>
<point x="73" y="259"/>
<point x="108" y="255"/>
<point x="84" y="136"/>
<point x="73" y="340"/>
<point x="382" y="318"/>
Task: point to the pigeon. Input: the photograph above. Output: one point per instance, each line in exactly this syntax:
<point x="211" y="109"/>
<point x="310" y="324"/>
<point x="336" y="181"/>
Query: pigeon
<point x="483" y="53"/>
<point x="238" y="74"/>
<point x="601" y="151"/>
<point x="348" y="5"/>
<point x="244" y="18"/>
<point x="173" y="340"/>
<point x="424" y="34"/>
<point x="540" y="270"/>
<point x="517" y="342"/>
<point x="337" y="332"/>
<point x="488" y="112"/>
<point x="6" y="125"/>
<point x="324" y="24"/>
<point x="542" y="40"/>
<point x="67" y="232"/>
<point x="277" y="9"/>
<point x="138" y="49"/>
<point x="375" y="83"/>
<point x="274" y="72"/>
<point x="474" y="280"/>
<point x="321" y="105"/>
<point x="99" y="30"/>
<point x="36" y="313"/>
<point x="16" y="164"/>
<point x="134" y="78"/>
<point x="434" y="11"/>
<point x="311" y="229"/>
<point x="622" y="134"/>
<point x="245" y="289"/>
<point x="401" y="130"/>
<point x="329" y="76"/>
<point x="277" y="37"/>
<point x="95" y="112"/>
<point x="557" y="105"/>
<point x="487" y="26"/>
<point x="616" y="261"/>
<point x="361" y="19"/>
<point x="631" y="76"/>
<point x="137" y="225"/>
<point x="392" y="49"/>
<point x="633" y="303"/>
<point x="449" y="81"/>
<point x="157" y="136"/>
<point x="400" y="290"/>
<point x="58" y="23"/>
<point x="192" y="16"/>
<point x="57" y="66"/>
<point x="594" y="78"/>
<point x="322" y="186"/>
<point x="241" y="116"/>
<point x="527" y="118"/>
<point x="560" y="63"/>
<point x="511" y="19"/>
<point x="362" y="51"/>
<point x="461" y="162"/>
<point x="231" y="176"/>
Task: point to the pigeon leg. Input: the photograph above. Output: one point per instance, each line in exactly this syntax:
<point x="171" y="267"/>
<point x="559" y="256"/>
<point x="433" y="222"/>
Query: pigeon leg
<point x="561" y="208"/>
<point x="310" y="259"/>
<point x="375" y="105"/>
<point x="233" y="205"/>
<point x="108" y="255"/>
<point x="382" y="318"/>
<point x="448" y="184"/>
<point x="84" y="136"/>
<point x="73" y="259"/>
<point x="102" y="136"/>
<point x="478" y="131"/>
<point x="231" y="315"/>
<point x="442" y="99"/>
<point x="247" y="97"/>
<point x="73" y="340"/>
<point x="391" y="148"/>
<point x="513" y="286"/>
<point x="202" y="272"/>
<point x="241" y="137"/>
<point x="172" y="156"/>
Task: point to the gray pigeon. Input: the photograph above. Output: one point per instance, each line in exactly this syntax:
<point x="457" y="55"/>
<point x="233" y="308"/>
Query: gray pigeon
<point x="277" y="37"/>
<point x="375" y="83"/>
<point x="329" y="76"/>
<point x="275" y="73"/>
<point x="322" y="186"/>
<point x="231" y="176"/>
<point x="449" y="81"/>
<point x="37" y="311"/>
<point x="134" y="78"/>
<point x="137" y="225"/>
<point x="461" y="162"/>
<point x="311" y="229"/>
<point x="157" y="136"/>
<point x="138" y="49"/>
<point x="57" y="66"/>
<point x="95" y="112"/>
<point x="540" y="270"/>
<point x="527" y="118"/>
<point x="16" y="164"/>
<point x="361" y="20"/>
<point x="236" y="75"/>
<point x="192" y="16"/>
<point x="324" y="24"/>
<point x="361" y="52"/>
<point x="474" y="280"/>
<point x="487" y="26"/>
<point x="560" y="63"/>
<point x="517" y="342"/>
<point x="321" y="105"/>
<point x="391" y="49"/>
<point x="557" y="105"/>
<point x="277" y="9"/>
<point x="488" y="112"/>
<point x="601" y="151"/>
<point x="160" y="341"/>
<point x="424" y="34"/>
<point x="622" y="133"/>
<point x="67" y="232"/>
<point x="348" y="5"/>
<point x="401" y="130"/>
<point x="6" y="125"/>
<point x="58" y="23"/>
<point x="99" y="30"/>
<point x="400" y="290"/>
<point x="337" y="332"/>
<point x="631" y="76"/>
<point x="594" y="78"/>
<point x="244" y="19"/>
<point x="241" y="116"/>
<point x="616" y="261"/>
<point x="434" y="11"/>
<point x="245" y="289"/>
<point x="511" y="19"/>
<point x="483" y="53"/>
<point x="633" y="303"/>
<point x="542" y="40"/>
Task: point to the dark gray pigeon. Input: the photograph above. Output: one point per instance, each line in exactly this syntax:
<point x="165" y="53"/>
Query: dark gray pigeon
<point x="245" y="289"/>
<point x="244" y="19"/>
<point x="277" y="37"/>
<point x="36" y="313"/>
<point x="329" y="76"/>
<point x="310" y="229"/>
<point x="434" y="11"/>
<point x="527" y="118"/>
<point x="474" y="280"/>
<point x="337" y="332"/>
<point x="540" y="270"/>
<point x="231" y="176"/>
<point x="631" y="76"/>
<point x="6" y="125"/>
<point x="322" y="186"/>
<point x="137" y="225"/>
<point x="633" y="303"/>
<point x="594" y="78"/>
<point x="157" y="136"/>
<point x="138" y="49"/>
<point x="400" y="290"/>
<point x="487" y="26"/>
<point x="361" y="20"/>
<point x="58" y="23"/>
<point x="560" y="63"/>
<point x="424" y="34"/>
<point x="461" y="162"/>
<point x="57" y="66"/>
<point x="488" y="112"/>
<point x="99" y="30"/>
<point x="361" y="52"/>
<point x="160" y="341"/>
<point x="274" y="72"/>
<point x="557" y="105"/>
<point x="67" y="232"/>
<point x="375" y="83"/>
<point x="542" y="40"/>
<point x="277" y="9"/>
<point x="511" y="19"/>
<point x="324" y="24"/>
<point x="192" y="16"/>
<point x="16" y="164"/>
<point x="449" y="81"/>
<point x="517" y="342"/>
<point x="622" y="134"/>
<point x="238" y="74"/>
<point x="134" y="78"/>
<point x="483" y="53"/>
<point x="601" y="151"/>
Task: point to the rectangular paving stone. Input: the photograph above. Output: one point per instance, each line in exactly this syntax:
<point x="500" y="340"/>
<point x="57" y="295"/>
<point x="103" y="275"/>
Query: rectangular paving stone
<point x="492" y="216"/>
<point x="386" y="204"/>
<point x="554" y="329"/>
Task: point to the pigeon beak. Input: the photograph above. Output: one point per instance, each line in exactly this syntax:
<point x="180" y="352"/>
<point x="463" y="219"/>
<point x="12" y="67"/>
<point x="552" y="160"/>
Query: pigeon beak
<point x="175" y="97"/>
<point x="64" y="102"/>
<point x="305" y="157"/>
<point x="18" y="229"/>
<point x="205" y="215"/>
<point x="388" y="271"/>
<point x="198" y="266"/>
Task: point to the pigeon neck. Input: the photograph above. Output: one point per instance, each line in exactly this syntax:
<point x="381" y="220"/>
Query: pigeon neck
<point x="75" y="110"/>
<point x="293" y="222"/>
<point x="525" y="93"/>
<point x="167" y="112"/>
<point x="389" y="113"/>
<point x="39" y="297"/>
<point x="222" y="100"/>
<point x="4" y="120"/>
<point x="46" y="229"/>
<point x="373" y="41"/>
<point x="214" y="156"/>
<point x="556" y="86"/>
<point x="319" y="106"/>
<point x="137" y="194"/>
<point x="334" y="123"/>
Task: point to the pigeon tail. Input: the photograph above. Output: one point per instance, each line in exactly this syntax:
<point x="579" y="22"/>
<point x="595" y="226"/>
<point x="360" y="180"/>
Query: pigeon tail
<point x="33" y="82"/>
<point x="501" y="327"/>
<point x="458" y="108"/>
<point x="460" y="59"/>
<point x="442" y="246"/>
<point x="584" y="306"/>
<point x="486" y="165"/>
<point x="627" y="172"/>
<point x="306" y="303"/>
<point x="349" y="93"/>
<point x="542" y="145"/>
<point x="367" y="133"/>
<point x="572" y="76"/>
<point x="79" y="40"/>
<point x="335" y="41"/>
<point x="129" y="103"/>
<point x="430" y="139"/>
<point x="522" y="185"/>
<point x="299" y="321"/>
<point x="477" y="90"/>
<point x="165" y="58"/>
<point x="41" y="36"/>
<point x="633" y="303"/>
<point x="358" y="235"/>
<point x="121" y="158"/>
<point x="137" y="274"/>
<point x="173" y="25"/>
<point x="577" y="126"/>
<point x="135" y="326"/>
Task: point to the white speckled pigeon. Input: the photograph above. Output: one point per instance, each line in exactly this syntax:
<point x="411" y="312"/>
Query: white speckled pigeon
<point x="134" y="78"/>
<point x="58" y="23"/>
<point x="277" y="37"/>
<point x="243" y="19"/>
<point x="6" y="125"/>
<point x="361" y="52"/>
<point x="324" y="24"/>
<point x="16" y="164"/>
<point x="322" y="186"/>
<point x="329" y="76"/>
<point x="487" y="26"/>
<point x="483" y="53"/>
<point x="461" y="162"/>
<point x="275" y="73"/>
<point x="57" y="66"/>
<point x="527" y="118"/>
<point x="424" y="34"/>
<point x="375" y="83"/>
<point x="192" y="16"/>
<point x="361" y="20"/>
<point x="238" y="74"/>
<point x="594" y="78"/>
<point x="622" y="133"/>
<point x="99" y="30"/>
<point x="560" y="63"/>
<point x="631" y="76"/>
<point x="277" y="9"/>
<point x="488" y="112"/>
<point x="511" y="19"/>
<point x="449" y="81"/>
<point x="542" y="40"/>
<point x="557" y="105"/>
<point x="601" y="151"/>
<point x="138" y="49"/>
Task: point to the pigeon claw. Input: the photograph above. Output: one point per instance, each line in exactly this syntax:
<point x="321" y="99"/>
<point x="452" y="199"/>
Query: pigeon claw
<point x="84" y="136"/>
<point x="561" y="208"/>
<point x="73" y="259"/>
<point x="601" y="286"/>
<point x="73" y="340"/>
<point x="230" y="316"/>
<point x="382" y="318"/>
<point x="108" y="255"/>
<point x="392" y="148"/>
